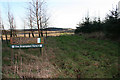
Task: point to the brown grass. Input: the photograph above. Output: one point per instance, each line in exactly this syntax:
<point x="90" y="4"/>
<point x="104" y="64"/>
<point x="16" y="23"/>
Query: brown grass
<point x="27" y="68"/>
<point x="98" y="35"/>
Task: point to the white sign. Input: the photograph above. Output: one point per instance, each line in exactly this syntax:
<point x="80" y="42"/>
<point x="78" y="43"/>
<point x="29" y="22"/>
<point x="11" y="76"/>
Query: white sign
<point x="38" y="40"/>
<point x="27" y="46"/>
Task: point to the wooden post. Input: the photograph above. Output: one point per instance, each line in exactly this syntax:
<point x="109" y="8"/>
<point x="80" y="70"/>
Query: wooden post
<point x="6" y="38"/>
<point x="12" y="57"/>
<point x="40" y="51"/>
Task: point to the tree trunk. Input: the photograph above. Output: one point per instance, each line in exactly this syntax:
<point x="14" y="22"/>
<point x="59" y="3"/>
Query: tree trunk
<point x="37" y="17"/>
<point x="29" y="34"/>
<point x="46" y="33"/>
<point x="32" y="34"/>
<point x="24" y="35"/>
<point x="41" y="33"/>
<point x="6" y="37"/>
<point x="10" y="33"/>
<point x="16" y="35"/>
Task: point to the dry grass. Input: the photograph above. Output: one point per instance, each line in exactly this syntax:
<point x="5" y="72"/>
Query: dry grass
<point x="97" y="35"/>
<point x="49" y="33"/>
<point x="29" y="66"/>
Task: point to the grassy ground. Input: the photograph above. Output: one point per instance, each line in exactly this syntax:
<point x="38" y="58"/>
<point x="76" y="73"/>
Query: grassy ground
<point x="79" y="57"/>
<point x="64" y="57"/>
<point x="26" y="63"/>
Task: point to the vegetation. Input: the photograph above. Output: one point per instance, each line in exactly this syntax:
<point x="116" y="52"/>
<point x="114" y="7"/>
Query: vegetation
<point x="110" y="26"/>
<point x="25" y="63"/>
<point x="37" y="15"/>
<point x="89" y="26"/>
<point x="64" y="57"/>
<point x="76" y="56"/>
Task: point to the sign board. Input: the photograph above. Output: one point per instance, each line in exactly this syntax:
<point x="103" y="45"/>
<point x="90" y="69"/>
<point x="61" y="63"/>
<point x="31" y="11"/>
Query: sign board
<point x="27" y="46"/>
<point x="25" y="40"/>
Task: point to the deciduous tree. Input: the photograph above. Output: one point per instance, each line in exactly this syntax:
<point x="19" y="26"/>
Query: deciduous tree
<point x="11" y="21"/>
<point x="37" y="12"/>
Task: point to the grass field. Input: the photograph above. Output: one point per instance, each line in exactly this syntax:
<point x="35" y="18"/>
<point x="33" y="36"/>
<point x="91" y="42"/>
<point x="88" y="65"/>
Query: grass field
<point x="65" y="56"/>
<point x="84" y="58"/>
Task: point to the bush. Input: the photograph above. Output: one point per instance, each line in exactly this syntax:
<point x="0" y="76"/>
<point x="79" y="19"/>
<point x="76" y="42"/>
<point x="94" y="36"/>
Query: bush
<point x="89" y="26"/>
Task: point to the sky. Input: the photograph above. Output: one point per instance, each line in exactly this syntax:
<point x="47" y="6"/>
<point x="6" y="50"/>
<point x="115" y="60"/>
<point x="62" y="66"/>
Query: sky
<point x="61" y="13"/>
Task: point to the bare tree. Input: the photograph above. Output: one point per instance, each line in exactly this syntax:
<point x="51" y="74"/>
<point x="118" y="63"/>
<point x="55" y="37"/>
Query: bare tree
<point x="37" y="11"/>
<point x="14" y="29"/>
<point x="30" y="18"/>
<point x="45" y="25"/>
<point x="3" y="31"/>
<point x="11" y="23"/>
<point x="1" y="28"/>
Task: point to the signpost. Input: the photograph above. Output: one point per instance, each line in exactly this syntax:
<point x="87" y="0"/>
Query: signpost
<point x="24" y="42"/>
<point x="27" y="46"/>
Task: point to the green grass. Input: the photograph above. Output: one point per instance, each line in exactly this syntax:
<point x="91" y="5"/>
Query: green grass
<point x="75" y="56"/>
<point x="85" y="58"/>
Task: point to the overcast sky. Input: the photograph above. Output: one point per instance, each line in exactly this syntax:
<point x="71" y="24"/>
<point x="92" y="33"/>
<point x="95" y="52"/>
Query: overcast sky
<point x="62" y="13"/>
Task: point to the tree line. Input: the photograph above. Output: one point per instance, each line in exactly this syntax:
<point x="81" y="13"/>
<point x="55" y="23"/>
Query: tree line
<point x="110" y="26"/>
